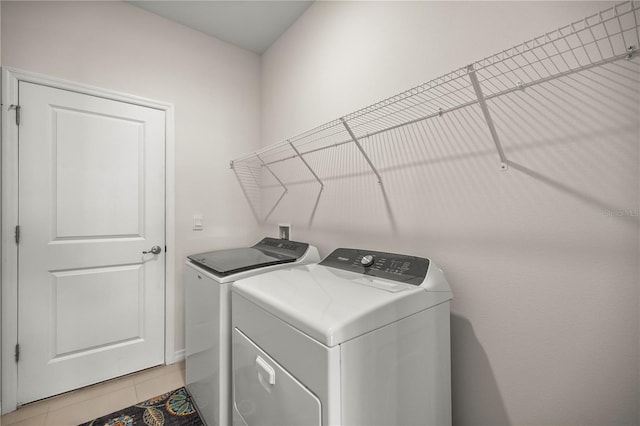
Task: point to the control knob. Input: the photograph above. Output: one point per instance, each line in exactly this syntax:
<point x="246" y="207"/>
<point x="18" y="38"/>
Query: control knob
<point x="367" y="260"/>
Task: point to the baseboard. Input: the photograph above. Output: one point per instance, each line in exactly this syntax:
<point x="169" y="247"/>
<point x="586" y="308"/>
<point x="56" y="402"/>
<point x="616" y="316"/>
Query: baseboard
<point x="178" y="356"/>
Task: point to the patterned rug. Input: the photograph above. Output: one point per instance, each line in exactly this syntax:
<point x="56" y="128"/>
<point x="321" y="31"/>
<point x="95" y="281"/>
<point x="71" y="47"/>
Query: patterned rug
<point x="170" y="409"/>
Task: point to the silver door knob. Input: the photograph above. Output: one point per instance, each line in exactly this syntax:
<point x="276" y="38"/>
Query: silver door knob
<point x="154" y="250"/>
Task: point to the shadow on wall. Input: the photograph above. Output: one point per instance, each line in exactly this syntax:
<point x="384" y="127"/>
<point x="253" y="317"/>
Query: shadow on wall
<point x="476" y="397"/>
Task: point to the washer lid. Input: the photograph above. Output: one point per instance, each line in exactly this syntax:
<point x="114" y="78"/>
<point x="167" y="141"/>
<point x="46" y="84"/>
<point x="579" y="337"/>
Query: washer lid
<point x="333" y="305"/>
<point x="269" y="251"/>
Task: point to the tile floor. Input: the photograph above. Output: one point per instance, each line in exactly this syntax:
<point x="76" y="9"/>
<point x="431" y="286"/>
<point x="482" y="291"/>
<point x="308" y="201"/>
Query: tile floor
<point x="76" y="407"/>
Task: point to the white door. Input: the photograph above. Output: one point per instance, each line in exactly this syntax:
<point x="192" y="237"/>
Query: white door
<point x="91" y="200"/>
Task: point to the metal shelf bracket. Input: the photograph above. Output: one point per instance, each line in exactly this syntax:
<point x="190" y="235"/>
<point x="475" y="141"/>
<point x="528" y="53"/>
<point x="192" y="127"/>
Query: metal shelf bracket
<point x="284" y="187"/>
<point x="487" y="115"/>
<point x="362" y="151"/>
<point x="266" y="166"/>
<point x="315" y="206"/>
<point x="306" y="164"/>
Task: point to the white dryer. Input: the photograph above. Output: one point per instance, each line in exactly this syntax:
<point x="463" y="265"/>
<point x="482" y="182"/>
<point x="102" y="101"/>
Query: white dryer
<point x="208" y="281"/>
<point x="362" y="338"/>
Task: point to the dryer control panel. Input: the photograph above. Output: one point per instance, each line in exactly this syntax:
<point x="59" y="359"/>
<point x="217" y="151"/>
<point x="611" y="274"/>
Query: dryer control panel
<point x="391" y="266"/>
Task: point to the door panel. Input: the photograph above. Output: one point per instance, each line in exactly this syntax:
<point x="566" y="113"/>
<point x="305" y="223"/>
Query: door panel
<point x="85" y="180"/>
<point x="118" y="315"/>
<point x="91" y="200"/>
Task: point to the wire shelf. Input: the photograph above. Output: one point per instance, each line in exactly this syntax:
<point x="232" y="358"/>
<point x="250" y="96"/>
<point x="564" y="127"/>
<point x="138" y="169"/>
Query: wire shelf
<point x="610" y="35"/>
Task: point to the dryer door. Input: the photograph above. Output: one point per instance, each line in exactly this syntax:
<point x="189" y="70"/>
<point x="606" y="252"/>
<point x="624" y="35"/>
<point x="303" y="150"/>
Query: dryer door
<point x="265" y="393"/>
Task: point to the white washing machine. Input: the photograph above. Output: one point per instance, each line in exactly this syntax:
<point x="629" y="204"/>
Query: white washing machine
<point x="362" y="338"/>
<point x="208" y="281"/>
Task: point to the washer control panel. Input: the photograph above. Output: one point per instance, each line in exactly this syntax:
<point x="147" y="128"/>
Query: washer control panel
<point x="391" y="266"/>
<point x="282" y="247"/>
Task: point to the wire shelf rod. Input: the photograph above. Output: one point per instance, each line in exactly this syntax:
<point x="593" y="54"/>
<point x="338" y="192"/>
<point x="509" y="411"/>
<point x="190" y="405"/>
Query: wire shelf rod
<point x="375" y="133"/>
<point x="593" y="36"/>
<point x="620" y="24"/>
<point x="560" y="54"/>
<point x="558" y="34"/>
<point x="593" y="41"/>
<point x="635" y="21"/>
<point x="460" y="73"/>
<point x="562" y="74"/>
<point x="438" y="96"/>
<point x="462" y="106"/>
<point x="606" y="30"/>
<point x="495" y="78"/>
<point x="584" y="46"/>
<point x="321" y="128"/>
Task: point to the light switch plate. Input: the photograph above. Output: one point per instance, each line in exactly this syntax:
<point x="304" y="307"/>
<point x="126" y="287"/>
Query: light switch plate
<point x="197" y="222"/>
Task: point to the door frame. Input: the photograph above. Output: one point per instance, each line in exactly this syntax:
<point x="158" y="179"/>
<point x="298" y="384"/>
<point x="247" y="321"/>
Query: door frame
<point x="9" y="218"/>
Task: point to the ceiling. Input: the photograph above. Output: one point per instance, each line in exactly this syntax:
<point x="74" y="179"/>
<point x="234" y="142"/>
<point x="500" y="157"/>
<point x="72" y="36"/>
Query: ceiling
<point x="252" y="25"/>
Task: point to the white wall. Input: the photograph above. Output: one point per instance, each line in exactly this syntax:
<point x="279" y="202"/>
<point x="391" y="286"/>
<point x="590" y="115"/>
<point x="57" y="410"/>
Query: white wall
<point x="545" y="281"/>
<point x="213" y="86"/>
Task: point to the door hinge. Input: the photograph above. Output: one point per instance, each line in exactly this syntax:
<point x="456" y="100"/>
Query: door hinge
<point x="17" y="234"/>
<point x="17" y="108"/>
<point x="17" y="352"/>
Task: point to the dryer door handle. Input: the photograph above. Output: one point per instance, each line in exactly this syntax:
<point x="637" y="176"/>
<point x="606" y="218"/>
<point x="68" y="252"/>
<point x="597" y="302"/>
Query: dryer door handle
<point x="265" y="371"/>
